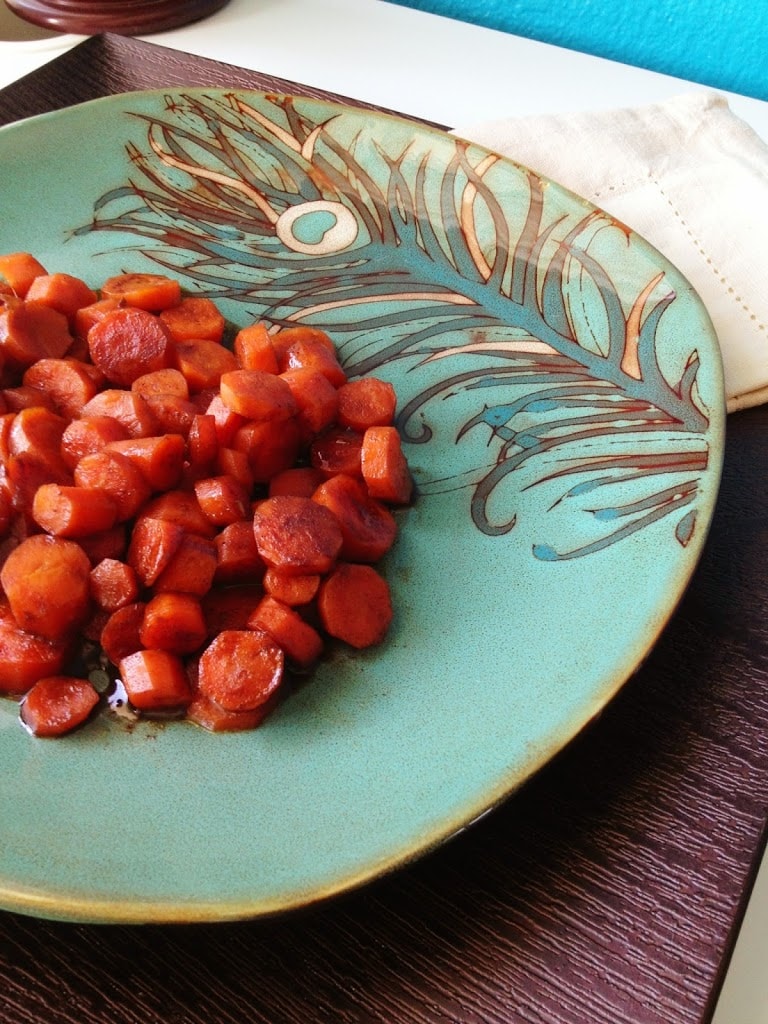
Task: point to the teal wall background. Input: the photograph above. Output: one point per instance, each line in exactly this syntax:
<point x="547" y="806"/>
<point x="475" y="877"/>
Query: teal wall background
<point x="720" y="43"/>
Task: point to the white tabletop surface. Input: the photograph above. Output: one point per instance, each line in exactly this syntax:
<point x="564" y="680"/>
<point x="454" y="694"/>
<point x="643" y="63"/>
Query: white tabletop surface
<point x="459" y="75"/>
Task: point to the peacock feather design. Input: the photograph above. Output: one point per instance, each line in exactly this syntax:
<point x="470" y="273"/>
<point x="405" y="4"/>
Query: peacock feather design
<point x="427" y="256"/>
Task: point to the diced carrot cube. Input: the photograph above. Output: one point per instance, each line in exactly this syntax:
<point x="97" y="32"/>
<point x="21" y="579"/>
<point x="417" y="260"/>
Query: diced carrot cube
<point x="254" y="349"/>
<point x="155" y="680"/>
<point x="384" y="466"/>
<point x="173" y="622"/>
<point x="114" y="584"/>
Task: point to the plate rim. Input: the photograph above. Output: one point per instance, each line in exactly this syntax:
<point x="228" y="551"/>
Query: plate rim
<point x="76" y="908"/>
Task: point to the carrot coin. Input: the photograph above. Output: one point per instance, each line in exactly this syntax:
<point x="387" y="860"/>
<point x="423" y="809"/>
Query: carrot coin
<point x="58" y="704"/>
<point x="241" y="669"/>
<point x="296" y="535"/>
<point x="129" y="342"/>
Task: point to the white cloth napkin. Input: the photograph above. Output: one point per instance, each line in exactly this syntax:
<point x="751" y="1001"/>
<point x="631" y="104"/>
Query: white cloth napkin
<point x="689" y="176"/>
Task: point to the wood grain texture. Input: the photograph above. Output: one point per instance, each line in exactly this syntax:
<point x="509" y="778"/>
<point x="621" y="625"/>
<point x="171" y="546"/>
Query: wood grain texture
<point x="108" y="64"/>
<point x="607" y="891"/>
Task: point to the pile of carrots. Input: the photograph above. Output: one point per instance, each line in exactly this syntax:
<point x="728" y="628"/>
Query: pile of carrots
<point x="206" y="514"/>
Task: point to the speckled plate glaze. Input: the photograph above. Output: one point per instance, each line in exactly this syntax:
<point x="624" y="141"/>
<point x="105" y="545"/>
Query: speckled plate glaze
<point x="561" y="401"/>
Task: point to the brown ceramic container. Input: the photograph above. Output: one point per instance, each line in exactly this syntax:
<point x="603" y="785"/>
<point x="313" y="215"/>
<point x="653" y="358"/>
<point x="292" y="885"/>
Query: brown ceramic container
<point x="124" y="17"/>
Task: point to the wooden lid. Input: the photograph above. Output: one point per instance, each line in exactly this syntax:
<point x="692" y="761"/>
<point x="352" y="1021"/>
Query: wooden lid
<point x="123" y="17"/>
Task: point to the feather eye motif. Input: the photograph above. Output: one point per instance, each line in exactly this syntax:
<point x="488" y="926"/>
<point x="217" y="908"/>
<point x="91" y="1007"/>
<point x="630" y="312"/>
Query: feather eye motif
<point x="411" y="255"/>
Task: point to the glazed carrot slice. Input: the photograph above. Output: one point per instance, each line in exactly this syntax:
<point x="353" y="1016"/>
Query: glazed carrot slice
<point x="240" y="669"/>
<point x="367" y="526"/>
<point x="237" y="557"/>
<point x="24" y="474"/>
<point x="19" y="269"/>
<point x="67" y="383"/>
<point x="128" y="342"/>
<point x="62" y="292"/>
<point x="297" y="536"/>
<point x="159" y="459"/>
<point x="118" y="476"/>
<point x="73" y="511"/>
<point x="58" y="704"/>
<point x="160" y="383"/>
<point x="231" y="462"/>
<point x="153" y="544"/>
<point x="384" y="466"/>
<point x="24" y="397"/>
<point x="254" y="349"/>
<point x="202" y="443"/>
<point x="301" y="480"/>
<point x="37" y="432"/>
<point x="355" y="605"/>
<point x="24" y="657"/>
<point x="223" y="499"/>
<point x="227" y="421"/>
<point x="114" y="584"/>
<point x="47" y="583"/>
<point x="173" y="622"/>
<point x="172" y="414"/>
<point x="211" y="716"/>
<point x="202" y="362"/>
<point x="269" y="447"/>
<point x="120" y="634"/>
<point x="312" y="354"/>
<point x="366" y="402"/>
<point x="182" y="508"/>
<point x="150" y="292"/>
<point x="283" y="339"/>
<point x="88" y="435"/>
<point x="257" y="395"/>
<point x="30" y="331"/>
<point x="88" y="316"/>
<point x="155" y="680"/>
<point x="316" y="398"/>
<point x="191" y="569"/>
<point x="291" y="590"/>
<point x="194" y="317"/>
<point x="6" y="422"/>
<point x="128" y="408"/>
<point x="302" y="644"/>
<point x="337" y="450"/>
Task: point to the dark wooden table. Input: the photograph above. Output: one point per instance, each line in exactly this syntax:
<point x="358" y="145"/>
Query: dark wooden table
<point x="609" y="890"/>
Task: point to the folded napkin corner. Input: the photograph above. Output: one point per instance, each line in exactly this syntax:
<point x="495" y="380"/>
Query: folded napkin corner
<point x="689" y="176"/>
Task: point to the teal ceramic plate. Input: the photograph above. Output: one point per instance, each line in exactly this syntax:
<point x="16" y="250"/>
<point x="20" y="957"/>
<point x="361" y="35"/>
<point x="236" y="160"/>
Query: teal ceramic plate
<point x="560" y="395"/>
